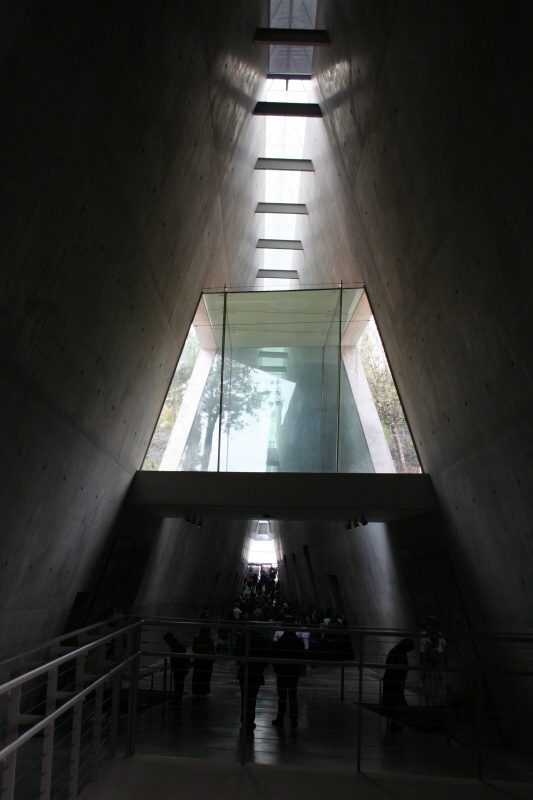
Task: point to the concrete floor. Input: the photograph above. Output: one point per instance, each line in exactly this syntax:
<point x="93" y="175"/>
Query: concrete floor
<point x="196" y="751"/>
<point x="144" y="777"/>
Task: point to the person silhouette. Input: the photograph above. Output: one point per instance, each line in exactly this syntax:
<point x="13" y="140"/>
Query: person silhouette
<point x="393" y="682"/>
<point x="255" y="674"/>
<point x="179" y="667"/>
<point x="288" y="646"/>
<point x="202" y="644"/>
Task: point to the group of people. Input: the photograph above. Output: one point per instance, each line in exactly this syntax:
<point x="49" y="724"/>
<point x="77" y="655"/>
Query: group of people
<point x="287" y="649"/>
<point x="287" y="655"/>
<point x="260" y="582"/>
<point x="282" y="653"/>
<point x="202" y="645"/>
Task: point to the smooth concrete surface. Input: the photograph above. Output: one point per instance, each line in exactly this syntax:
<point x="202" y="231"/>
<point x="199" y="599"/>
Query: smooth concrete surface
<point x="190" y="568"/>
<point x="307" y="495"/>
<point x="322" y="560"/>
<point x="422" y="189"/>
<point x="181" y="779"/>
<point x="128" y="175"/>
<point x="427" y="183"/>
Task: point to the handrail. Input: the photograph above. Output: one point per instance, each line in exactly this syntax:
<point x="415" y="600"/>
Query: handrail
<point x="58" y="639"/>
<point x="113" y="653"/>
<point x="336" y="629"/>
<point x="81" y="695"/>
<point x="57" y="662"/>
<point x="267" y="658"/>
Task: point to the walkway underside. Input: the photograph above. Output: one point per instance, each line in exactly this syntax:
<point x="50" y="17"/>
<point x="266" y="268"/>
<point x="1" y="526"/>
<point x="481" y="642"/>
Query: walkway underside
<point x="296" y="496"/>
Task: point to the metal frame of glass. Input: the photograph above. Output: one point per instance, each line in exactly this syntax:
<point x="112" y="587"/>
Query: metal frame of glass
<point x="276" y="383"/>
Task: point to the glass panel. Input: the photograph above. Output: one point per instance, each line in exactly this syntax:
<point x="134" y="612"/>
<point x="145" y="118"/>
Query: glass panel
<point x="354" y="454"/>
<point x="280" y="382"/>
<point x="386" y="401"/>
<point x="201" y="451"/>
<point x="172" y="405"/>
<point x="282" y="390"/>
<point x="245" y="413"/>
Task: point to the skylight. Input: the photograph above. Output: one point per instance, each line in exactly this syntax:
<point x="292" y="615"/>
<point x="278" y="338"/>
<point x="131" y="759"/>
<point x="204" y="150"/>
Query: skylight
<point x="285" y="138"/>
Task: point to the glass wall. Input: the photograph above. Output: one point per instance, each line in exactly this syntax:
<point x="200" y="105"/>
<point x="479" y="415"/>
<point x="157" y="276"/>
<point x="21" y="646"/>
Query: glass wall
<point x="278" y="382"/>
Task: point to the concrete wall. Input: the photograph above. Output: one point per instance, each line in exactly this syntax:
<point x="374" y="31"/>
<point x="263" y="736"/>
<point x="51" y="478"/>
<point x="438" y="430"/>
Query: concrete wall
<point x="423" y="169"/>
<point x="128" y="135"/>
<point x="193" y="567"/>
<point x="423" y="190"/>
<point x="372" y="589"/>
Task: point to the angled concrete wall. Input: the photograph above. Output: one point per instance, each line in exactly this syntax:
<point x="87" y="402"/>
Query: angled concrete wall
<point x="423" y="166"/>
<point x="422" y="189"/>
<point x="128" y="183"/>
<point x="193" y="567"/>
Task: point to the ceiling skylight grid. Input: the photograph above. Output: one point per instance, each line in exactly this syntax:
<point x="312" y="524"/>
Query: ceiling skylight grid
<point x="285" y="135"/>
<point x="285" y="138"/>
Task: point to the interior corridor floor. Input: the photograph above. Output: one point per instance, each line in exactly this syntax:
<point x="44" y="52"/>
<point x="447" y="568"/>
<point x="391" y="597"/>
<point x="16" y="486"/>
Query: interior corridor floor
<point x="197" y="749"/>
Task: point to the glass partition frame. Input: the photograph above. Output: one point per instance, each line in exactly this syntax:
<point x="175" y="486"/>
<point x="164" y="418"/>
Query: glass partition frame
<point x="279" y="391"/>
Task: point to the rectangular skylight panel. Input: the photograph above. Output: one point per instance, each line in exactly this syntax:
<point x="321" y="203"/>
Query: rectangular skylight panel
<point x="293" y="14"/>
<point x="281" y="259"/>
<point x="285" y="137"/>
<point x="282" y="187"/>
<point x="298" y="91"/>
<point x="280" y="226"/>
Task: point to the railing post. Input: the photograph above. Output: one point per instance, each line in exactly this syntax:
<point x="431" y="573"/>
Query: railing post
<point x="47" y="757"/>
<point x="222" y="358"/>
<point x="8" y="776"/>
<point x="47" y="761"/>
<point x="360" y="701"/>
<point x="97" y="731"/>
<point x="446" y="704"/>
<point x="97" y="715"/>
<point x="244" y="727"/>
<point x="480" y="728"/>
<point x="339" y="373"/>
<point x="9" y="765"/>
<point x="133" y="693"/>
<point x="114" y="715"/>
<point x="75" y="745"/>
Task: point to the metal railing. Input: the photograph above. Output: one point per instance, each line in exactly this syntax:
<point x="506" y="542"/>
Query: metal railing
<point x="60" y="710"/>
<point x="460" y="700"/>
<point x="64" y="706"/>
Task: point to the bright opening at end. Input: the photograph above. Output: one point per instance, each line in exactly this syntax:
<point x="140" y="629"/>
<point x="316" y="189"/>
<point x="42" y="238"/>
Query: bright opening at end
<point x="261" y="549"/>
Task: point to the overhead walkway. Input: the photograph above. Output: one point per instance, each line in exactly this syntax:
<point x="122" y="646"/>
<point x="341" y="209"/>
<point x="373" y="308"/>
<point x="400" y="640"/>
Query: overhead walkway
<point x="276" y="495"/>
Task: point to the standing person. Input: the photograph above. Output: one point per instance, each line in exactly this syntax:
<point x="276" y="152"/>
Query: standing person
<point x="393" y="698"/>
<point x="288" y="646"/>
<point x="202" y="644"/>
<point x="234" y="616"/>
<point x="255" y="674"/>
<point x="432" y="660"/>
<point x="179" y="667"/>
